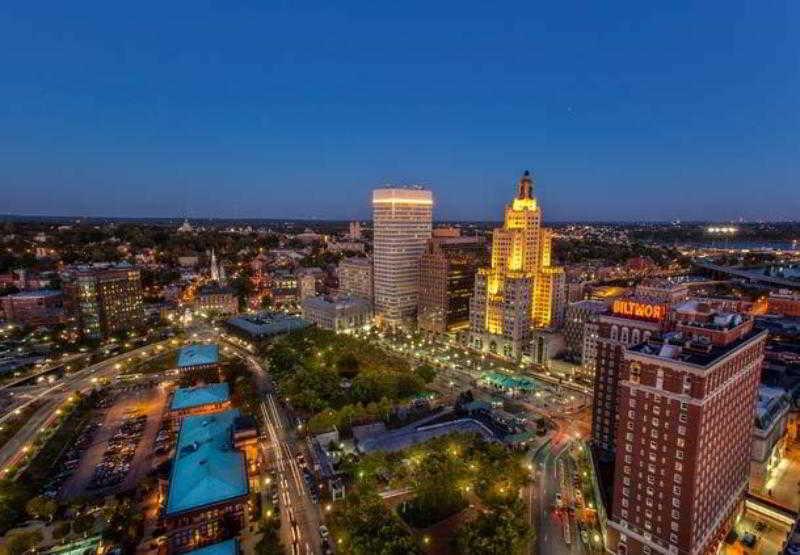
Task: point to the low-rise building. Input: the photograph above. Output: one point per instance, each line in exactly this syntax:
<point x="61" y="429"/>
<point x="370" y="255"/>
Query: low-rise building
<point x="337" y="313"/>
<point x="785" y="303"/>
<point x="256" y="327"/>
<point x="216" y="298"/>
<point x="308" y="282"/>
<point x="284" y="287"/>
<point x="208" y="484"/>
<point x="206" y="399"/>
<point x="769" y="432"/>
<point x="34" y="308"/>
<point x="227" y="547"/>
<point x="198" y="357"/>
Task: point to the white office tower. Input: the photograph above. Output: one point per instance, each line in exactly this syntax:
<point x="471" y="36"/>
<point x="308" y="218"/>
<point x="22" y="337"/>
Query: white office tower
<point x="402" y="222"/>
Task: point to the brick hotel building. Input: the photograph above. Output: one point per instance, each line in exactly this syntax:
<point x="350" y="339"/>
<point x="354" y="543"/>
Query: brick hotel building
<point x="686" y="405"/>
<point x="616" y="331"/>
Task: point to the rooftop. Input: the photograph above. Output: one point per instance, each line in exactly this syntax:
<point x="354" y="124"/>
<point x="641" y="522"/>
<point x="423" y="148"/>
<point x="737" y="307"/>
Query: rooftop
<point x="198" y="354"/>
<point x="39" y="293"/>
<point x="190" y="397"/>
<point x="215" y="289"/>
<point x="266" y="324"/>
<point x="228" y="547"/>
<point x="772" y="401"/>
<point x="676" y="347"/>
<point x="507" y="381"/>
<point x="339" y="301"/>
<point x="207" y="470"/>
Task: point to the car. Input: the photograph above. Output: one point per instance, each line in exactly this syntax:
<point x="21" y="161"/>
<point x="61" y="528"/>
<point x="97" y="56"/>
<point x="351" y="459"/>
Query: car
<point x="323" y="531"/>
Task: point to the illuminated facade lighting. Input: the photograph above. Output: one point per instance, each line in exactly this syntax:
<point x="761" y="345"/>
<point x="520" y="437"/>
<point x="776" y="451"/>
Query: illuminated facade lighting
<point x="521" y="289"/>
<point x="402" y="220"/>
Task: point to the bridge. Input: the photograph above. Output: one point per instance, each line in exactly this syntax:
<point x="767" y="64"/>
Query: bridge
<point x="747" y="274"/>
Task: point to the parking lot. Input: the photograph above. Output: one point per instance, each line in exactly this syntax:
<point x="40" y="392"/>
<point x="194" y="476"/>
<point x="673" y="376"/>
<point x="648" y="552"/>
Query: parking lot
<point x="120" y="452"/>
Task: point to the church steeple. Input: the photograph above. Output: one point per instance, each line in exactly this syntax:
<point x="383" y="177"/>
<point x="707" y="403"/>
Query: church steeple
<point x="214" y="267"/>
<point x="525" y="186"/>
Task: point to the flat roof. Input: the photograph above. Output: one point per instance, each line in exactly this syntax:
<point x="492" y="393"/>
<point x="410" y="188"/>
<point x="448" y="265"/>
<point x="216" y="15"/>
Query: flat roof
<point x="268" y="323"/>
<point x="665" y="350"/>
<point x="228" y="547"/>
<point x="508" y="381"/>
<point x="337" y="302"/>
<point x="198" y="354"/>
<point x="38" y="293"/>
<point x="191" y="397"/>
<point x="207" y="469"/>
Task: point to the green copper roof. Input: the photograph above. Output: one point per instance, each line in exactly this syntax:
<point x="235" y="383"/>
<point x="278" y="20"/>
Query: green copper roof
<point x="228" y="547"/>
<point x="195" y="355"/>
<point x="207" y="469"/>
<point x="190" y="397"/>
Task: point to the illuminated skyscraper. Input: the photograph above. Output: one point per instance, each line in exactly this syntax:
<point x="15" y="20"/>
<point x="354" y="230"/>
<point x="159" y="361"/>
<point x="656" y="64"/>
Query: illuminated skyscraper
<point x="521" y="289"/>
<point x="402" y="220"/>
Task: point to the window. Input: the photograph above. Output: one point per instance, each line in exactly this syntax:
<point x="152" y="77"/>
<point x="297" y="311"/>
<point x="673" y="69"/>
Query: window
<point x="636" y="371"/>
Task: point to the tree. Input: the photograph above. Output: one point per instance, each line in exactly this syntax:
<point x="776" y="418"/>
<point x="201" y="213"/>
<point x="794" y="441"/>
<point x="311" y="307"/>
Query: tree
<point x="426" y="372"/>
<point x="435" y="482"/>
<point x="83" y="524"/>
<point x="22" y="542"/>
<point x="61" y="529"/>
<point x="498" y="532"/>
<point x="12" y="501"/>
<point x="41" y="507"/>
<point x="367" y="527"/>
<point x="270" y="542"/>
<point x="347" y="365"/>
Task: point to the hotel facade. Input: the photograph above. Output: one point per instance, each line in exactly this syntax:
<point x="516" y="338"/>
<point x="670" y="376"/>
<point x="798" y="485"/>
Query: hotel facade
<point x="686" y="405"/>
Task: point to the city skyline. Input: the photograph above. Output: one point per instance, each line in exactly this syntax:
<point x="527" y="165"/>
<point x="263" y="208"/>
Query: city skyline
<point x="624" y="114"/>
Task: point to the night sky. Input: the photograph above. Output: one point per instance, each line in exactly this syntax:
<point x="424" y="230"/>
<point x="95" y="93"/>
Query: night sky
<point x="622" y="110"/>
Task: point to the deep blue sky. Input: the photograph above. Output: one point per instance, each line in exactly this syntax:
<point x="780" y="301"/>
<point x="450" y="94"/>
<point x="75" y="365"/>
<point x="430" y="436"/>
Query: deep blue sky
<point x="623" y="110"/>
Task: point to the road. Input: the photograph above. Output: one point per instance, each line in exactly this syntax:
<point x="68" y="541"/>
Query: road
<point x="300" y="516"/>
<point x="551" y="469"/>
<point x="56" y="395"/>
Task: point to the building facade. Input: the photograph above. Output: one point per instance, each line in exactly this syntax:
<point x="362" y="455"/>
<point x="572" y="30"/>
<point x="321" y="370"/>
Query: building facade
<point x="576" y="318"/>
<point x="447" y="278"/>
<point x="686" y="405"/>
<point x="355" y="277"/>
<point x="44" y="307"/>
<point x="521" y="289"/>
<point x="616" y="332"/>
<point x="402" y="223"/>
<point x="338" y="313"/>
<point x="105" y="300"/>
<point x="215" y="298"/>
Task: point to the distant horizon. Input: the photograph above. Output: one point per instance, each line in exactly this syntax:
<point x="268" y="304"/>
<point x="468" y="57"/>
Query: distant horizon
<point x="179" y="219"/>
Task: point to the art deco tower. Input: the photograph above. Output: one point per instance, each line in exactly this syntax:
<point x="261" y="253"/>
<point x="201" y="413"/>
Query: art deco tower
<point x="521" y="289"/>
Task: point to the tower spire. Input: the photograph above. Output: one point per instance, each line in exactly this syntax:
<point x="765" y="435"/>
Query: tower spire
<point x="525" y="186"/>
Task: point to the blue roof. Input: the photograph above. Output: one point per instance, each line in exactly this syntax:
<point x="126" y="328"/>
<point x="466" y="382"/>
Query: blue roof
<point x="228" y="547"/>
<point x="207" y="469"/>
<point x="190" y="397"/>
<point x="195" y="355"/>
